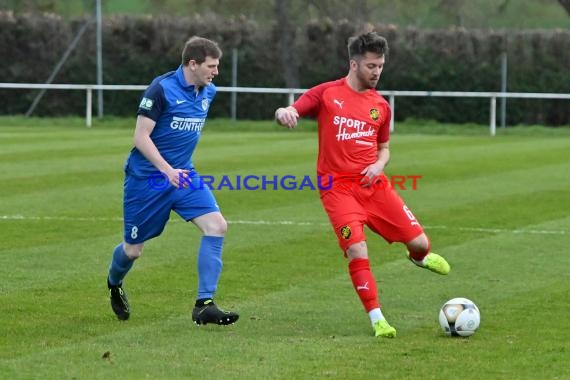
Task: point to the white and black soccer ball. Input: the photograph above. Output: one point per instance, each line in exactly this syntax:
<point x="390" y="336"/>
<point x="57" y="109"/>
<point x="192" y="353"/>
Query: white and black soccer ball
<point x="459" y="317"/>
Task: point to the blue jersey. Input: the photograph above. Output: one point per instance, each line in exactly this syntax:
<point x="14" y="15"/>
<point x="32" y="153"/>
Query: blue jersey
<point x="180" y="114"/>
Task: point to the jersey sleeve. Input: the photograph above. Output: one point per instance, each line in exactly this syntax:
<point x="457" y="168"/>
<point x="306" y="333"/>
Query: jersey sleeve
<point x="384" y="131"/>
<point x="153" y="102"/>
<point x="309" y="103"/>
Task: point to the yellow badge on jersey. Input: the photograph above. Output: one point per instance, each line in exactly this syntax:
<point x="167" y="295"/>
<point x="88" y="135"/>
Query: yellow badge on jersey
<point x="345" y="232"/>
<point x="374" y="114"/>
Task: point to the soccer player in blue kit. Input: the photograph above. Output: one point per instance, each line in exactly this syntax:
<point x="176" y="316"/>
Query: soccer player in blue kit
<point x="160" y="177"/>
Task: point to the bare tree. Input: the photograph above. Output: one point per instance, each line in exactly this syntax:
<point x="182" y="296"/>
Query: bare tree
<point x="355" y="10"/>
<point x="566" y="5"/>
<point x="453" y="9"/>
<point x="286" y="43"/>
<point x="503" y="6"/>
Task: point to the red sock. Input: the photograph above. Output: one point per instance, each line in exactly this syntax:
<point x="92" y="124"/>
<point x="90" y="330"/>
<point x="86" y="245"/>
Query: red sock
<point x="419" y="256"/>
<point x="364" y="283"/>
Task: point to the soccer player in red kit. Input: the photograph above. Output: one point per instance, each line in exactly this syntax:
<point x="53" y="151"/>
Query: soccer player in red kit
<point x="354" y="133"/>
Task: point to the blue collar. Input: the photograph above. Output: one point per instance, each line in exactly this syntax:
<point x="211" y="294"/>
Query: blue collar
<point x="181" y="80"/>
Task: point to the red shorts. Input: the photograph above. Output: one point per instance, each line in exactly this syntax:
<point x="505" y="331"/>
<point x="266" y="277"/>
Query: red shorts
<point x="379" y="207"/>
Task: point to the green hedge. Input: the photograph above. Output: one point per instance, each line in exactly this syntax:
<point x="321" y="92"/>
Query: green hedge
<point x="136" y="49"/>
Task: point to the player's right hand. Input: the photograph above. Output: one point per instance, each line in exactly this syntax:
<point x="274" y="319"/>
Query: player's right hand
<point x="286" y="117"/>
<point x="179" y="178"/>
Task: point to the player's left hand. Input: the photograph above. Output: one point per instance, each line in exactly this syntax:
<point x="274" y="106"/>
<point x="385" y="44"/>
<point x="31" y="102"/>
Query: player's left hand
<point x="179" y="178"/>
<point x="371" y="175"/>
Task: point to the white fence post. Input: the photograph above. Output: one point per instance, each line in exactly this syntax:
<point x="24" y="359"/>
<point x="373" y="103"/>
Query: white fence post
<point x="234" y="83"/>
<point x="493" y="124"/>
<point x="393" y="108"/>
<point x="89" y="107"/>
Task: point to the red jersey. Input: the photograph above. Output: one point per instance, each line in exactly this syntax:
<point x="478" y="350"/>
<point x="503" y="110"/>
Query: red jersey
<point x="351" y="124"/>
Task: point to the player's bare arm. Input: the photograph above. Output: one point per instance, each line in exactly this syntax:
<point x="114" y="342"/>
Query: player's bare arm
<point x="287" y="116"/>
<point x="145" y="145"/>
<point x="372" y="172"/>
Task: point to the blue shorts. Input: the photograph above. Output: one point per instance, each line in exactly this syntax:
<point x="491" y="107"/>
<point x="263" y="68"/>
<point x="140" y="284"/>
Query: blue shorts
<point x="147" y="204"/>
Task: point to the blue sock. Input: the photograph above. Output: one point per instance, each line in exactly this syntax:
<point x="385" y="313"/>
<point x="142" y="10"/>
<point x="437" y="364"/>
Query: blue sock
<point x="120" y="265"/>
<point x="209" y="265"/>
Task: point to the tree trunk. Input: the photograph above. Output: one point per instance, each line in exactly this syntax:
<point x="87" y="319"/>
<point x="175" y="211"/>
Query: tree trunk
<point x="286" y="43"/>
<point x="566" y="5"/>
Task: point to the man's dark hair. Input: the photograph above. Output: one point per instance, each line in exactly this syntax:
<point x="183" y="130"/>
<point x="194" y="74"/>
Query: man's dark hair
<point x="369" y="42"/>
<point x="198" y="48"/>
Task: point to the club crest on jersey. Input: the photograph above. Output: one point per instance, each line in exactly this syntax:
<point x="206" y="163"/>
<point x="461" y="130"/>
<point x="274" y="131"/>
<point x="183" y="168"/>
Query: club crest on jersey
<point x="374" y="114"/>
<point x="204" y="104"/>
<point x="345" y="232"/>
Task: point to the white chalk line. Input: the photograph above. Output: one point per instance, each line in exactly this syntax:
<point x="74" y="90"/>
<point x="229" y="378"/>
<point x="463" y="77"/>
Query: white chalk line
<point x="288" y="223"/>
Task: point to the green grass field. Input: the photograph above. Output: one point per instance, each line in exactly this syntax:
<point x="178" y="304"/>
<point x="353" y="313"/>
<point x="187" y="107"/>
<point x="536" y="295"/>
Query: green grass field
<point x="496" y="207"/>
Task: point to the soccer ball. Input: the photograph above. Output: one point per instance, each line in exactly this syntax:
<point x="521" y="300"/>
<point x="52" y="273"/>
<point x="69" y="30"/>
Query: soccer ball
<point x="459" y="317"/>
